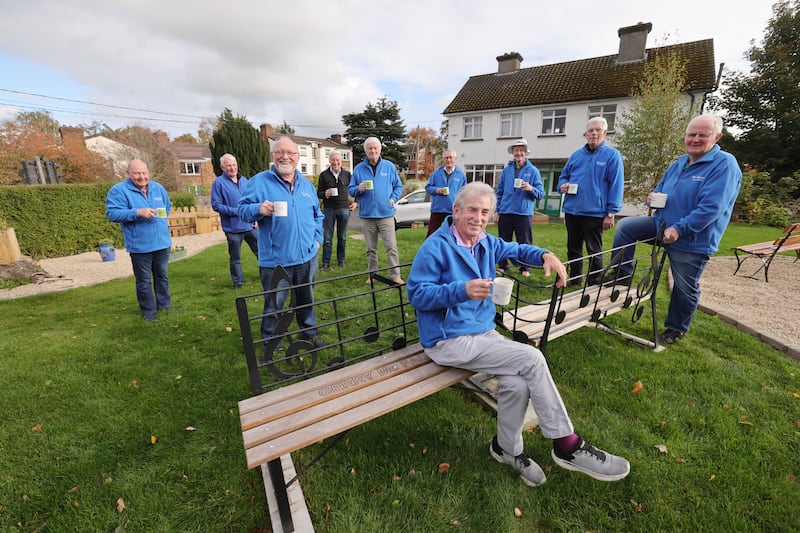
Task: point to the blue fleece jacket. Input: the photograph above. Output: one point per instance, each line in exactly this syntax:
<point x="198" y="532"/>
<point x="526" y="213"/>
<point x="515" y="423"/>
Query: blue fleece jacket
<point x="511" y="201"/>
<point x="444" y="203"/>
<point x="600" y="177"/>
<point x="225" y="195"/>
<point x="142" y="235"/>
<point x="437" y="283"/>
<point x="387" y="186"/>
<point x="700" y="199"/>
<point x="290" y="240"/>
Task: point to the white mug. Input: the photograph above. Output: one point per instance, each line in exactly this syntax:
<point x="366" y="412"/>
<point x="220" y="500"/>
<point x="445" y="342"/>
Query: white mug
<point x="281" y="209"/>
<point x="334" y="191"/>
<point x="572" y="188"/>
<point x="658" y="200"/>
<point x="501" y="290"/>
<point x="517" y="183"/>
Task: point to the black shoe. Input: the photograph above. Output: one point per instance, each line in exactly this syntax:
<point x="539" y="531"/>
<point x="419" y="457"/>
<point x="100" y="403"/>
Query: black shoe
<point x="614" y="278"/>
<point x="317" y="341"/>
<point x="670" y="336"/>
<point x="237" y="286"/>
<point x="149" y="318"/>
<point x="341" y="264"/>
<point x="325" y="267"/>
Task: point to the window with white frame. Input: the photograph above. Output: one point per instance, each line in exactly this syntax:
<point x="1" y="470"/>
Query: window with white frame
<point x="473" y="128"/>
<point x="554" y="121"/>
<point x="345" y="156"/>
<point x="485" y="173"/>
<point x="190" y="168"/>
<point x="607" y="111"/>
<point x="303" y="151"/>
<point x="510" y="124"/>
<point x="303" y="169"/>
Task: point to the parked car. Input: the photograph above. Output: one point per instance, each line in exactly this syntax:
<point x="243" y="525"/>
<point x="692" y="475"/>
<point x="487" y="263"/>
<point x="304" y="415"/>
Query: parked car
<point x="413" y="207"/>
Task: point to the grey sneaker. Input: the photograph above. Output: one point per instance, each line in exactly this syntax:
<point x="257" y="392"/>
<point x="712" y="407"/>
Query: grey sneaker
<point x="528" y="470"/>
<point x="593" y="462"/>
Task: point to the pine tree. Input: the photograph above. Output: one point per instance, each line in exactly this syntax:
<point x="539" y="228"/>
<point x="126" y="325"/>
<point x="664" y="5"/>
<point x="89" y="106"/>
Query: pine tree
<point x="236" y="136"/>
<point x="382" y="121"/>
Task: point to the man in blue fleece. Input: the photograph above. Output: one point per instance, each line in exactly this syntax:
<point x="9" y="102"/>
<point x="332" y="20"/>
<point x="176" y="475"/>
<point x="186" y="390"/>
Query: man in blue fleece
<point x="592" y="182"/>
<point x="520" y="186"/>
<point x="449" y="286"/>
<point x="701" y="188"/>
<point x="141" y="207"/>
<point x="225" y="194"/>
<point x="376" y="186"/>
<point x="286" y="208"/>
<point x="443" y="186"/>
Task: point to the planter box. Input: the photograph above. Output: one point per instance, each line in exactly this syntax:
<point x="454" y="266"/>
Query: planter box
<point x="9" y="247"/>
<point x="177" y="252"/>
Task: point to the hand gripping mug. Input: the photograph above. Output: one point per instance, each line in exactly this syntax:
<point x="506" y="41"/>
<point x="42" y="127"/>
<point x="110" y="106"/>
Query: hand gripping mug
<point x="501" y="290"/>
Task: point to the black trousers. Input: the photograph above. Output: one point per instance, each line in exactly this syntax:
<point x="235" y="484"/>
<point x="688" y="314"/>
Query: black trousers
<point x="589" y="231"/>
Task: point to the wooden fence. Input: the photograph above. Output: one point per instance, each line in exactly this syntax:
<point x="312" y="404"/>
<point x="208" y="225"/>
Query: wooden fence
<point x="191" y="220"/>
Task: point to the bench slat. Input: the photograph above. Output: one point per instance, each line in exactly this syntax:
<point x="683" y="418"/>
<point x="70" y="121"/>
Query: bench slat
<point x="384" y="363"/>
<point x="312" y="407"/>
<point x="336" y="424"/>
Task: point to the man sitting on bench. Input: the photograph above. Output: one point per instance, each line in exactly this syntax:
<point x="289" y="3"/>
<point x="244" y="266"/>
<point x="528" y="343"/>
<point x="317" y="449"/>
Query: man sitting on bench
<point x="449" y="286"/>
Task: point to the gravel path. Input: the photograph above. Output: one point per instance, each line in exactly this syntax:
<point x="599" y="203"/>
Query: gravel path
<point x="772" y="309"/>
<point x="87" y="268"/>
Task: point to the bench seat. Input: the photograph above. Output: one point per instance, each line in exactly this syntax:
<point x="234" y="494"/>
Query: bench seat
<point x="297" y="415"/>
<point x="766" y="251"/>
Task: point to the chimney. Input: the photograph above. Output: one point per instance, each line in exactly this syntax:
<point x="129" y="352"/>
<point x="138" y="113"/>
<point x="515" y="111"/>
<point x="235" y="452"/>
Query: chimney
<point x="508" y="62"/>
<point x="632" y="42"/>
<point x="336" y="138"/>
<point x="266" y="132"/>
<point x="72" y="138"/>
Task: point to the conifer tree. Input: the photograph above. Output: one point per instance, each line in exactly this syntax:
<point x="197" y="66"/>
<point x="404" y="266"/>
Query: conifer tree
<point x="236" y="136"/>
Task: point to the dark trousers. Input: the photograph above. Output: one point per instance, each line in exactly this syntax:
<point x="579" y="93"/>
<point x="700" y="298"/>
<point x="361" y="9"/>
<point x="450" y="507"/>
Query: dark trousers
<point x="589" y="231"/>
<point x="436" y="220"/>
<point x="339" y="218"/>
<point x="235" y="252"/>
<point x="305" y="273"/>
<point x="150" y="271"/>
<point x="518" y="225"/>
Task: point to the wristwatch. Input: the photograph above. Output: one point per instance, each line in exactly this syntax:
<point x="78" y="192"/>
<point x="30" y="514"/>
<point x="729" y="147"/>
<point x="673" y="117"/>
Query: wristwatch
<point x="610" y="215"/>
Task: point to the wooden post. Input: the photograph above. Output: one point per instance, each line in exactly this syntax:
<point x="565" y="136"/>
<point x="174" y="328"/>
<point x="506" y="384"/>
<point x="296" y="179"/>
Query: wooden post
<point x="9" y="247"/>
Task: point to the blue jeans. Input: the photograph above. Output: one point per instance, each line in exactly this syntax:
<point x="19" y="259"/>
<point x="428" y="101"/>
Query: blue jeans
<point x="338" y="217"/>
<point x="150" y="271"/>
<point x="686" y="270"/>
<point x="304" y="296"/>
<point x="235" y="252"/>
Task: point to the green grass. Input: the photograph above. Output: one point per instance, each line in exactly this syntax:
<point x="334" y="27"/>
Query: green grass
<point x="85" y="384"/>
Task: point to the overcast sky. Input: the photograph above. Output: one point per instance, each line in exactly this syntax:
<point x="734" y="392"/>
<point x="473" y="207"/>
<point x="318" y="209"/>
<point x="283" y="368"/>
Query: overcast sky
<point x="308" y="62"/>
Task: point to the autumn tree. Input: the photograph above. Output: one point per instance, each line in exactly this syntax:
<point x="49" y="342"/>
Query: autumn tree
<point x="187" y="138"/>
<point x="426" y="152"/>
<point x="205" y="132"/>
<point x="152" y="147"/>
<point x="650" y="133"/>
<point x="381" y="120"/>
<point x="285" y="129"/>
<point x="764" y="104"/>
<point x="236" y="136"/>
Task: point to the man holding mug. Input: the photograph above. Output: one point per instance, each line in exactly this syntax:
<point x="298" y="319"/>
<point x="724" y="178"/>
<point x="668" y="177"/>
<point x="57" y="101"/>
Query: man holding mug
<point x="701" y="188"/>
<point x="450" y="286"/>
<point x="332" y="190"/>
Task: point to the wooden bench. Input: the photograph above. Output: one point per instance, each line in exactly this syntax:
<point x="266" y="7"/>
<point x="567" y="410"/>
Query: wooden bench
<point x="373" y="364"/>
<point x="540" y="321"/>
<point x="766" y="251"/>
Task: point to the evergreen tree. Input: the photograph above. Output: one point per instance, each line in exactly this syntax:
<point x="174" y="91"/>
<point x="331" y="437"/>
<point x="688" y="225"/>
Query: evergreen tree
<point x="651" y="131"/>
<point x="765" y="104"/>
<point x="236" y="136"/>
<point x="382" y="121"/>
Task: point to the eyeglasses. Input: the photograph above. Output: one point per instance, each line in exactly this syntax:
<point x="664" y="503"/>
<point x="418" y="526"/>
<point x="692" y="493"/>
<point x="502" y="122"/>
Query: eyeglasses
<point x="283" y="153"/>
<point x="702" y="136"/>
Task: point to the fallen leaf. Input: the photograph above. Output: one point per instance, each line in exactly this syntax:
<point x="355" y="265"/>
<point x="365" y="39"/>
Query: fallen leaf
<point x="228" y="329"/>
<point x="455" y="522"/>
<point x="395" y="503"/>
<point x="202" y="317"/>
<point x="424" y="451"/>
<point x="37" y="427"/>
<point x="690" y="403"/>
<point x="444" y="468"/>
<point x="517" y="512"/>
<point x="178" y="376"/>
<point x="135" y="383"/>
<point x="637" y="387"/>
<point x="411" y="445"/>
<point x="396" y="478"/>
<point x="73" y="490"/>
<point x="680" y="460"/>
<point x="120" y="505"/>
<point x="795" y="394"/>
<point x="412" y="473"/>
<point x="713" y="477"/>
<point x="639" y="508"/>
<point x="190" y="428"/>
<point x="745" y="422"/>
<point x="792" y="478"/>
<point x="153" y="439"/>
<point x="661" y="447"/>
<point x="352" y="471"/>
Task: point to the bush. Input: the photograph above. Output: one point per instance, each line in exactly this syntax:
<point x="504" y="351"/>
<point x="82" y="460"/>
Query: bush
<point x="182" y="199"/>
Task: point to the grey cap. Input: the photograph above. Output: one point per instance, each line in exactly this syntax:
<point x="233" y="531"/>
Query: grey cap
<point x="519" y="142"/>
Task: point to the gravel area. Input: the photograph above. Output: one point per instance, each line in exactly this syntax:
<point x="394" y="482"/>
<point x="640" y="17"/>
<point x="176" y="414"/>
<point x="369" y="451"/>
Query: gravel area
<point x="770" y="308"/>
<point x="87" y="268"/>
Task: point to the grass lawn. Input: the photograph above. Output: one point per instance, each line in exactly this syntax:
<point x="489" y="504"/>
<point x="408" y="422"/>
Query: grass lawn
<point x="113" y="424"/>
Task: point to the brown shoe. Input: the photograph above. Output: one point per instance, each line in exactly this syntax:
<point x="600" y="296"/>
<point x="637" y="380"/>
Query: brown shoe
<point x="368" y="282"/>
<point x="398" y="280"/>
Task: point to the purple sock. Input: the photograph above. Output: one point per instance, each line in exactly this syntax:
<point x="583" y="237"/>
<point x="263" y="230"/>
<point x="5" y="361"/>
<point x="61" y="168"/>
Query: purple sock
<point x="568" y="444"/>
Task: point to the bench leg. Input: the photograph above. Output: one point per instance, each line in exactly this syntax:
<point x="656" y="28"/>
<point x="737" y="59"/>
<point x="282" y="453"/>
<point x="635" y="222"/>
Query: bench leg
<point x="288" y="510"/>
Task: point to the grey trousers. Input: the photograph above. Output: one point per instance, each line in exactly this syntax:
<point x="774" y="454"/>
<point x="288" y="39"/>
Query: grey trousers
<point x="385" y="227"/>
<point x="523" y="374"/>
